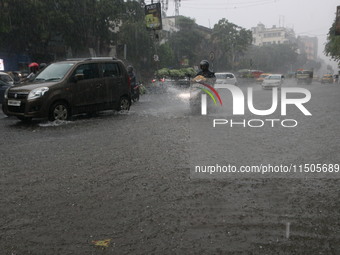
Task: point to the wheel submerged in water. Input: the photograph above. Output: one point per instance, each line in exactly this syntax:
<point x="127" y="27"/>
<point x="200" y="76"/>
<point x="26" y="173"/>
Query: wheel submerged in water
<point x="59" y="111"/>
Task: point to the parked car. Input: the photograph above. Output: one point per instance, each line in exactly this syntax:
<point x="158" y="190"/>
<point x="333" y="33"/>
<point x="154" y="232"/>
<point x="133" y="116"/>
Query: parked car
<point x="273" y="80"/>
<point x="71" y="87"/>
<point x="225" y="78"/>
<point x="6" y="81"/>
<point x="5" y="77"/>
<point x="327" y="78"/>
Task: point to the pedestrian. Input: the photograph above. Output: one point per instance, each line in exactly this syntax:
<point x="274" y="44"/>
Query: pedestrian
<point x="34" y="68"/>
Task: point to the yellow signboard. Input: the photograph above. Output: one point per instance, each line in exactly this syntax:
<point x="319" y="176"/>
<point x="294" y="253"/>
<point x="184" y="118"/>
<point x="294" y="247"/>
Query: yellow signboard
<point x="153" y="16"/>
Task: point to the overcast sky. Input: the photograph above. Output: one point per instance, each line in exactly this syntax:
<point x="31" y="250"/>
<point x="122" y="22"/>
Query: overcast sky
<point x="306" y="17"/>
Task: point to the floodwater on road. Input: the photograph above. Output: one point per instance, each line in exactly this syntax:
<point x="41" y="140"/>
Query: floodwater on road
<point x="129" y="178"/>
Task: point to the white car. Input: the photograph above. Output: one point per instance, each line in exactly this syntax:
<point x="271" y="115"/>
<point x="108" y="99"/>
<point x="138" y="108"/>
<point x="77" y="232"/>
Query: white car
<point x="273" y="80"/>
<point x="225" y="78"/>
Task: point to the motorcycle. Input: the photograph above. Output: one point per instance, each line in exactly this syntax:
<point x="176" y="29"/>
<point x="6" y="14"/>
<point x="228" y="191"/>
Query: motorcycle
<point x="135" y="93"/>
<point x="201" y="85"/>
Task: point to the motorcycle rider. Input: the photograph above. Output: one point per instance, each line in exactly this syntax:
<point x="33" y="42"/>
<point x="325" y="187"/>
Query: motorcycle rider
<point x="205" y="72"/>
<point x="133" y="81"/>
<point x="132" y="76"/>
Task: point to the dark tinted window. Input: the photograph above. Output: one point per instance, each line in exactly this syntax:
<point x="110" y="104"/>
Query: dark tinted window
<point x="110" y="70"/>
<point x="90" y="71"/>
<point x="5" y="78"/>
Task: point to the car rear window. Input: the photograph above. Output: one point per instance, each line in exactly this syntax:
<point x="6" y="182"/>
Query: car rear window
<point x="110" y="70"/>
<point x="224" y="76"/>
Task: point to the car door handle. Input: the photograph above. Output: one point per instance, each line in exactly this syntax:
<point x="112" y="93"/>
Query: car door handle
<point x="99" y="86"/>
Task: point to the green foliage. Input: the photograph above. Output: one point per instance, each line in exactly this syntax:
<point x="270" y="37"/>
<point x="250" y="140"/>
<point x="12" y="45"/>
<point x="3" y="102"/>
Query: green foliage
<point x="166" y="55"/>
<point x="332" y="47"/>
<point x="230" y="42"/>
<point x="34" y="26"/>
<point x="164" y="72"/>
<point x="186" y="43"/>
<point x="273" y="58"/>
<point x="175" y="73"/>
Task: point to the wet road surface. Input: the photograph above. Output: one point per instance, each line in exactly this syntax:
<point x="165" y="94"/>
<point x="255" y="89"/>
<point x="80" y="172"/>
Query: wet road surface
<point x="128" y="177"/>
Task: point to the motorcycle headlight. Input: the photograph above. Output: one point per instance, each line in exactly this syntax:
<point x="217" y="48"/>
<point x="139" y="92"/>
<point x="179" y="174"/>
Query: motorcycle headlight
<point x="36" y="93"/>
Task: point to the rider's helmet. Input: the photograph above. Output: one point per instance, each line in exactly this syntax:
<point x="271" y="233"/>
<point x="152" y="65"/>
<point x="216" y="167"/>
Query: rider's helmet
<point x="130" y="69"/>
<point x="204" y="65"/>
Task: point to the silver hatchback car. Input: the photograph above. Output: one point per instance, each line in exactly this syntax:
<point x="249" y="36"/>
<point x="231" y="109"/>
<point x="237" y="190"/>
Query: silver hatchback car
<point x="225" y="78"/>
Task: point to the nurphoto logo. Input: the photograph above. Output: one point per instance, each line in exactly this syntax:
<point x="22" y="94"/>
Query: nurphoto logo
<point x="239" y="105"/>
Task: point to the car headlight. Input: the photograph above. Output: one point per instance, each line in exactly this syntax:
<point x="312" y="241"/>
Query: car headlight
<point x="6" y="93"/>
<point x="36" y="93"/>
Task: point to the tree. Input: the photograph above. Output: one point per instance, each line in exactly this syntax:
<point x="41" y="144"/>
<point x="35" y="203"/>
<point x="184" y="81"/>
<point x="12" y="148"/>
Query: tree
<point x="139" y="44"/>
<point x="39" y="27"/>
<point x="274" y="58"/>
<point x="230" y="41"/>
<point x="186" y="43"/>
<point x="332" y="47"/>
<point x="166" y="55"/>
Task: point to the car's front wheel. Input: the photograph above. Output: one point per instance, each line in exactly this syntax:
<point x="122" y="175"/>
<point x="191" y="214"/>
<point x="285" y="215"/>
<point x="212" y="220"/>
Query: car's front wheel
<point x="59" y="111"/>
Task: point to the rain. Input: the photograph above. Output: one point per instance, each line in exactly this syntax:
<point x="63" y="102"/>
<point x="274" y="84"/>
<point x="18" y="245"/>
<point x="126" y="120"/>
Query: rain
<point x="231" y="147"/>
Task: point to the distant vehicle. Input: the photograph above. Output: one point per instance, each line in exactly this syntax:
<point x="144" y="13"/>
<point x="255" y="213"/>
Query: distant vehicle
<point x="272" y="81"/>
<point x="327" y="78"/>
<point x="261" y="78"/>
<point x="256" y="73"/>
<point x="5" y="77"/>
<point x="71" y="87"/>
<point x="6" y="81"/>
<point x="304" y="76"/>
<point x="226" y="78"/>
<point x="247" y="73"/>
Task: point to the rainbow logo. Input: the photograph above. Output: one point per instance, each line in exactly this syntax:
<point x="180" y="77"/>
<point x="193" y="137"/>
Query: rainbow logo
<point x="211" y="94"/>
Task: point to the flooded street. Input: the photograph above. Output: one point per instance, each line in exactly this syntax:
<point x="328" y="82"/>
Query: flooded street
<point x="130" y="178"/>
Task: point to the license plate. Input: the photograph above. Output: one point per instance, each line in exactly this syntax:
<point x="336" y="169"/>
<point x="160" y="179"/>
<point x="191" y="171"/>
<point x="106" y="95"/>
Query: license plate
<point x="14" y="102"/>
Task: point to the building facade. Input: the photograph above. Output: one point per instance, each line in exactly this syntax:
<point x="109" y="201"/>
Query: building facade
<point x="274" y="35"/>
<point x="168" y="27"/>
<point x="309" y="46"/>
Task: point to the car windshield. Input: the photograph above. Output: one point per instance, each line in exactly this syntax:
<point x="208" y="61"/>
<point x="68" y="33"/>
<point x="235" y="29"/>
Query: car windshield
<point x="303" y="72"/>
<point x="274" y="77"/>
<point x="54" y="71"/>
